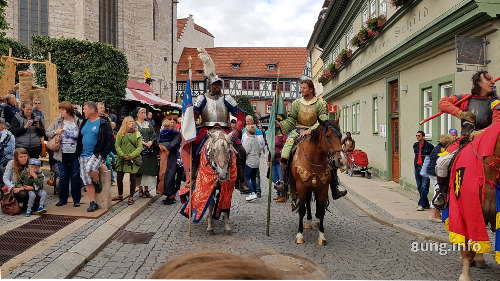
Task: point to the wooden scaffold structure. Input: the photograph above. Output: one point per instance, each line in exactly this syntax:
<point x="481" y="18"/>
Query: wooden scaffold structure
<point x="28" y="90"/>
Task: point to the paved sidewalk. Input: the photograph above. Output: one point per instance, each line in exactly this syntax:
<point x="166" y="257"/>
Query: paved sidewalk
<point x="387" y="203"/>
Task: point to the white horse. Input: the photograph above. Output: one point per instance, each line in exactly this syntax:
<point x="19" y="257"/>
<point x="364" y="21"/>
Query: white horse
<point x="219" y="156"/>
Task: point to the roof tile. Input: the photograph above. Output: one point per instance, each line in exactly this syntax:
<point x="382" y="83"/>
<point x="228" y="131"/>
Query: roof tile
<point x="254" y="61"/>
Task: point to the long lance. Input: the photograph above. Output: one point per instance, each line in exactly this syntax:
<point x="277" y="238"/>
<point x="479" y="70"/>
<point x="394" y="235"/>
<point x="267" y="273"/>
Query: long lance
<point x="455" y="104"/>
<point x="271" y="152"/>
<point x="190" y="168"/>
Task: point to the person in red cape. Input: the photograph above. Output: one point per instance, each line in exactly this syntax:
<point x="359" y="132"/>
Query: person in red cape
<point x="480" y="115"/>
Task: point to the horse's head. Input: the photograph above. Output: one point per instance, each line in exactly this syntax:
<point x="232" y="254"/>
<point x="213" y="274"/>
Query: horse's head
<point x="328" y="138"/>
<point x="219" y="152"/>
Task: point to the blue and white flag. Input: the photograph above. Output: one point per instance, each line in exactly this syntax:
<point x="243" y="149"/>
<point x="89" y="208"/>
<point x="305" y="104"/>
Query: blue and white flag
<point x="188" y="126"/>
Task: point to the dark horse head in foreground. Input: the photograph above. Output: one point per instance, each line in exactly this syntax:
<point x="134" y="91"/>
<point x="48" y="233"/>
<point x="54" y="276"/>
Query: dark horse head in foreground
<point x="311" y="171"/>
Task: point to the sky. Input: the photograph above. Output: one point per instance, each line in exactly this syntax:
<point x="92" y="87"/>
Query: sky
<point x="255" y="23"/>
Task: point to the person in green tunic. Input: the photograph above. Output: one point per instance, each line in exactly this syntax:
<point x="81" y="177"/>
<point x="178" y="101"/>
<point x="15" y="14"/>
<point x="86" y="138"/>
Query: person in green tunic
<point x="302" y="119"/>
<point x="128" y="149"/>
<point x="147" y="174"/>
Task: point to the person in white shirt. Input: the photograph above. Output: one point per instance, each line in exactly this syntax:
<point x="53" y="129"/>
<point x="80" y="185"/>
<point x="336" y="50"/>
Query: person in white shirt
<point x="259" y="135"/>
<point x="253" y="150"/>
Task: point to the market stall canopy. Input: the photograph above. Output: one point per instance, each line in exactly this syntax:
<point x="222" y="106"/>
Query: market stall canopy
<point x="143" y="93"/>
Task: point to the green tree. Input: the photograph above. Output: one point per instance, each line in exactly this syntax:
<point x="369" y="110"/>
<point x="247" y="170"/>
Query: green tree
<point x="86" y="71"/>
<point x="3" y="27"/>
<point x="245" y="105"/>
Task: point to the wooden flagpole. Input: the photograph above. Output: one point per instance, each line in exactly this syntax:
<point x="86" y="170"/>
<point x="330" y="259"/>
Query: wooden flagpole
<point x="190" y="168"/>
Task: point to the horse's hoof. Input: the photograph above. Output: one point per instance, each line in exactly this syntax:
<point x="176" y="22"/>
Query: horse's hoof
<point x="464" y="278"/>
<point x="321" y="242"/>
<point x="299" y="239"/>
<point x="211" y="231"/>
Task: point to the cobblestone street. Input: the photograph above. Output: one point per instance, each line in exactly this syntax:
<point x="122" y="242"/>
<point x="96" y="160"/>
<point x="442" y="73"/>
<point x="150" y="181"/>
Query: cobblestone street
<point x="358" y="247"/>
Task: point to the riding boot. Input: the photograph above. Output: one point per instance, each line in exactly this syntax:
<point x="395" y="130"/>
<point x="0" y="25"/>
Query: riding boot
<point x="334" y="186"/>
<point x="439" y="200"/>
<point x="285" y="175"/>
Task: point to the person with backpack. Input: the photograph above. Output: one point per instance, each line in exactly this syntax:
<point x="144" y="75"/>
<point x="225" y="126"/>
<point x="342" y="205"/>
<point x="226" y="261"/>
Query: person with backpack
<point x="28" y="129"/>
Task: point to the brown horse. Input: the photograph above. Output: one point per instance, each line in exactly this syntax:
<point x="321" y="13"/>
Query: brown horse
<point x="311" y="171"/>
<point x="488" y="204"/>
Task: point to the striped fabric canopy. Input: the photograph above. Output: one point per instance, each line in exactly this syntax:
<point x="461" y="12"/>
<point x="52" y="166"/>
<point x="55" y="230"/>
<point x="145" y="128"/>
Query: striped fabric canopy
<point x="143" y="93"/>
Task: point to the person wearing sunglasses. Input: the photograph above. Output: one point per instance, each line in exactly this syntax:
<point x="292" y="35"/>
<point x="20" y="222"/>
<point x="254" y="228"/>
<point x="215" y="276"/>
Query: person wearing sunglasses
<point x="421" y="148"/>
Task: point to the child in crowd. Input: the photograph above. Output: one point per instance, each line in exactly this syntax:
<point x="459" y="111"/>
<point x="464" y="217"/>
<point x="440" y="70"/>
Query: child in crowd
<point x="32" y="180"/>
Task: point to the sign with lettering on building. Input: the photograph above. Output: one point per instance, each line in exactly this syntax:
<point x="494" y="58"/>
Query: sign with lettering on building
<point x="471" y="50"/>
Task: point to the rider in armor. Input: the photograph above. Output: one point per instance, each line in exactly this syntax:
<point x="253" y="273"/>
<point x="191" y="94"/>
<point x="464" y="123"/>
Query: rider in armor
<point x="476" y="113"/>
<point x="303" y="118"/>
<point x="214" y="108"/>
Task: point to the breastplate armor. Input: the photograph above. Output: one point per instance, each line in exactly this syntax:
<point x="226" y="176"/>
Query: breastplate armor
<point x="481" y="109"/>
<point x="215" y="112"/>
<point x="308" y="115"/>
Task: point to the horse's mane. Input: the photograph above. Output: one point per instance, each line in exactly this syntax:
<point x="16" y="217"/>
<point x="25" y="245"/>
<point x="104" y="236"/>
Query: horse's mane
<point x="323" y="126"/>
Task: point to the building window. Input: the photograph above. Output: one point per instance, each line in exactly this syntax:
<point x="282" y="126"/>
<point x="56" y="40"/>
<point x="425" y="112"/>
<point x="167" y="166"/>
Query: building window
<point x="287" y="86"/>
<point x="196" y="86"/>
<point x="268" y="108"/>
<point x="446" y="124"/>
<point x="355" y="110"/>
<point x="244" y="85"/>
<point x="254" y="106"/>
<point x="226" y="84"/>
<point x="249" y="85"/>
<point x="272" y="66"/>
<point x="428" y="112"/>
<point x="375" y="115"/>
<point x="364" y="16"/>
<point x="108" y="11"/>
<point x="235" y="65"/>
<point x="33" y="19"/>
<point x="373" y="8"/>
<point x="382" y="7"/>
<point x="181" y="86"/>
<point x="256" y="85"/>
<point x="155" y="18"/>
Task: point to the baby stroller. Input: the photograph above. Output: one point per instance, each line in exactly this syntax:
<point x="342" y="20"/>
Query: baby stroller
<point x="357" y="162"/>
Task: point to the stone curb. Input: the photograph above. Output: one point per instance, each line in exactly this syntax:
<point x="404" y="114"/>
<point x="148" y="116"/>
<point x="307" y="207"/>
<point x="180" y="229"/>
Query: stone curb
<point x="376" y="216"/>
<point x="70" y="262"/>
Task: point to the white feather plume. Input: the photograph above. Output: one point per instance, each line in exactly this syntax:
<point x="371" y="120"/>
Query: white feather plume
<point x="208" y="65"/>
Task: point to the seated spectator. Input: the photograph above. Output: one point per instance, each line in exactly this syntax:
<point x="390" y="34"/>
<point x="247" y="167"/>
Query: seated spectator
<point x="28" y="130"/>
<point x="12" y="173"/>
<point x="31" y="180"/>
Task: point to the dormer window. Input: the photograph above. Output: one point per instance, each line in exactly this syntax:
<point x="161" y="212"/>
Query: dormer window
<point x="235" y="65"/>
<point x="272" y="66"/>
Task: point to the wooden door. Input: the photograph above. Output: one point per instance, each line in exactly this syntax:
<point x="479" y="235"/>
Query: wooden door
<point x="394" y="110"/>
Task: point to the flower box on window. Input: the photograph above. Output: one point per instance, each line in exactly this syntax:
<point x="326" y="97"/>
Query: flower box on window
<point x="376" y="24"/>
<point x="328" y="74"/>
<point x="343" y="58"/>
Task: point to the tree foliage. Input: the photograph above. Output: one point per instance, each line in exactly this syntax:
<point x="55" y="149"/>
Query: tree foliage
<point x="86" y="71"/>
<point x="3" y="26"/>
<point x="245" y="105"/>
<point x="19" y="50"/>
